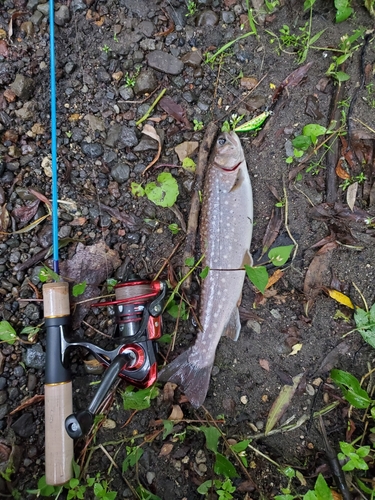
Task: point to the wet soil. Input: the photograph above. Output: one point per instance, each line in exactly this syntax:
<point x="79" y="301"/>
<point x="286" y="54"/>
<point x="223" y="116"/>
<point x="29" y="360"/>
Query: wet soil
<point x="98" y="46"/>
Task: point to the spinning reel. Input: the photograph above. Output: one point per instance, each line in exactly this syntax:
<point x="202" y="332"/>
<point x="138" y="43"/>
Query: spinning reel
<point x="138" y="306"/>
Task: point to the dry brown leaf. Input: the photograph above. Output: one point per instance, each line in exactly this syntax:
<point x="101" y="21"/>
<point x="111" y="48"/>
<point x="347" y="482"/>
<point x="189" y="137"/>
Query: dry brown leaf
<point x="295" y="349"/>
<point x="351" y="195"/>
<point x="341" y="171"/>
<point x="278" y="274"/>
<point x="4" y="219"/>
<point x="151" y="132"/>
<point x="74" y="117"/>
<point x="186" y="149"/>
<point x="168" y="392"/>
<point x="264" y="364"/>
<point x="38" y="398"/>
<point x="176" y="414"/>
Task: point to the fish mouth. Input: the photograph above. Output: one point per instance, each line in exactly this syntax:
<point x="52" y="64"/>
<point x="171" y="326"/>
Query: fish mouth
<point x="231" y="169"/>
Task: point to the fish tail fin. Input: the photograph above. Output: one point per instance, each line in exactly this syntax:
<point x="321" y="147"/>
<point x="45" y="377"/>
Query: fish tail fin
<point x="192" y="379"/>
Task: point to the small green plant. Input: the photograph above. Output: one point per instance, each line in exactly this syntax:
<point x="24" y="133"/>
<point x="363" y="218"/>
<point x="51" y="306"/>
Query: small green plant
<point x="163" y="192"/>
<point x="130" y="81"/>
<point x="133" y="454"/>
<point x="304" y="141"/>
<point x="347" y="49"/>
<point x="138" y="399"/>
<point x="198" y="125"/>
<point x="321" y="491"/>
<point x="106" y="49"/>
<point x="356" y="178"/>
<point x="9" y="335"/>
<point x="188" y="164"/>
<point x="79" y="289"/>
<point x="115" y="38"/>
<point x="191" y="7"/>
<point x="271" y="5"/>
<point x="343" y="10"/>
<point x="174" y="229"/>
<point x="69" y="134"/>
<point x="353" y="456"/>
<point x="370" y="97"/>
<point x="258" y="275"/>
<point x="224" y="489"/>
<point x="46" y="274"/>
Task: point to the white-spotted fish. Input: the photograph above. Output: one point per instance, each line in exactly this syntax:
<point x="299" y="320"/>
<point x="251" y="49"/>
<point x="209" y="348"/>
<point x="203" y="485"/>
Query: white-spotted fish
<point x="226" y="228"/>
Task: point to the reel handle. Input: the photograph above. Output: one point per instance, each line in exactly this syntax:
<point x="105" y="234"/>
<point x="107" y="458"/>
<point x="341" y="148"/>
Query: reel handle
<point x="58" y="386"/>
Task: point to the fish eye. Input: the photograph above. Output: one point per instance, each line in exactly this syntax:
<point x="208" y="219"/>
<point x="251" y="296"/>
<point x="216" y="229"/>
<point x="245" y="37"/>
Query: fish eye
<point x="221" y="141"/>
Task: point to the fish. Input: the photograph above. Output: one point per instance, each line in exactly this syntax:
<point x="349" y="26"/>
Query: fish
<point x="226" y="225"/>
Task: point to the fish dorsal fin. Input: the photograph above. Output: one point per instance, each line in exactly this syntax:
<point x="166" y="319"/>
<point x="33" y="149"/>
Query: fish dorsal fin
<point x="233" y="327"/>
<point x="247" y="259"/>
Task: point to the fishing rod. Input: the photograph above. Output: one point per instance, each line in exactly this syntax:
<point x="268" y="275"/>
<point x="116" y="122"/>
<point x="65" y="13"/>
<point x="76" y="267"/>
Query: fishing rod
<point x="138" y="306"/>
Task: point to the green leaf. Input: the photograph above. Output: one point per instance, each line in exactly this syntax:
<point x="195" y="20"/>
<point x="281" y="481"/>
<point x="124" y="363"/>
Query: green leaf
<point x="241" y="446"/>
<point x="145" y="494"/>
<point x="341" y="76"/>
<point x="204" y="273"/>
<point x="284" y="497"/>
<point x="168" y="428"/>
<point x="322" y="489"/>
<point x="205" y="487"/>
<point x="188" y="164"/>
<point x="79" y="289"/>
<point x="46" y="274"/>
<point x="341" y="59"/>
<point x="7" y="333"/>
<point x="225" y="127"/>
<point x="310" y="495"/>
<point x="280" y="255"/>
<point x="76" y="469"/>
<point x="289" y="472"/>
<point x="351" y="388"/>
<point x="313" y="130"/>
<point x="189" y="262"/>
<point x="212" y="437"/>
<point x="164" y="191"/>
<point x="98" y="489"/>
<point x="174" y="228"/>
<point x="138" y="399"/>
<point x="224" y="467"/>
<point x="132" y="458"/>
<point x="316" y="37"/>
<point x="307" y="4"/>
<point x="343" y="14"/>
<point x="301" y="142"/>
<point x="137" y="189"/>
<point x="346" y="448"/>
<point x="165" y="339"/>
<point x="258" y="276"/>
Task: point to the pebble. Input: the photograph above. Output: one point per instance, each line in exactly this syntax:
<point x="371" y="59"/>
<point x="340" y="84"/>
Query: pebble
<point x="102" y="75"/>
<point x="43" y="8"/>
<point x="25" y="425"/>
<point x="32" y="4"/>
<point x="28" y="28"/>
<point x="4" y="410"/>
<point x="126" y="93"/>
<point x="27" y="111"/>
<point x="150" y="476"/>
<point x="145" y="82"/>
<point x="34" y="357"/>
<point x="200" y="457"/>
<point x="3" y="397"/>
<point x="147" y="44"/>
<point x="62" y="15"/>
<point x="78" y="5"/>
<point x="3" y="383"/>
<point x="23" y="86"/>
<point x="77" y="134"/>
<point x="253" y="325"/>
<point x="31" y="382"/>
<point x="18" y="371"/>
<point x="32" y="312"/>
<point x="120" y="173"/>
<point x="92" y="150"/>
<point x="69" y="67"/>
<point x="228" y="16"/>
<point x="36" y="18"/>
<point x="207" y="18"/>
<point x="164" y="62"/>
<point x="275" y="313"/>
<point x="128" y="138"/>
<point x="146" y="144"/>
<point x="193" y="59"/>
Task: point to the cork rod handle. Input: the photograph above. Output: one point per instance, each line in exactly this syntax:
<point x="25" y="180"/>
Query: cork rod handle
<point x="58" y="386"/>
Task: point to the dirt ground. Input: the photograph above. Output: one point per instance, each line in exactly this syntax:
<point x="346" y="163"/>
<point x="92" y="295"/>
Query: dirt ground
<point x="102" y="49"/>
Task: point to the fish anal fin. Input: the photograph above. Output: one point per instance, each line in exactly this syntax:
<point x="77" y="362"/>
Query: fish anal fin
<point x="247" y="259"/>
<point x="233" y="327"/>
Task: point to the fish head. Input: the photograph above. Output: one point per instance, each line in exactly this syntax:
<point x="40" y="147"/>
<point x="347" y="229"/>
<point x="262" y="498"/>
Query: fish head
<point x="228" y="153"/>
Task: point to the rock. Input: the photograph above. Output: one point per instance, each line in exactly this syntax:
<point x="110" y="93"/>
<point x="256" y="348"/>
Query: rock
<point x="18" y="371"/>
<point x="25" y="425"/>
<point x="146" y="144"/>
<point x="126" y="93"/>
<point x="227" y="16"/>
<point x="28" y="28"/>
<point x="62" y="15"/>
<point x="27" y="111"/>
<point x="146" y="27"/>
<point x="36" y="18"/>
<point x="69" y="67"/>
<point x="164" y="62"/>
<point x="92" y="150"/>
<point x="44" y="8"/>
<point x="35" y="357"/>
<point x="207" y="18"/>
<point x="77" y="134"/>
<point x="31" y="5"/>
<point x="146" y="82"/>
<point x="95" y="123"/>
<point x="3" y="397"/>
<point x="77" y="5"/>
<point x="23" y="86"/>
<point x="248" y="82"/>
<point x="113" y="136"/>
<point x="3" y="383"/>
<point x="128" y="137"/>
<point x="32" y="312"/>
<point x="4" y="410"/>
<point x="120" y="173"/>
<point x="102" y="75"/>
<point x="193" y="59"/>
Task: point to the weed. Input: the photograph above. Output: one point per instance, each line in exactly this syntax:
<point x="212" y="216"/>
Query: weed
<point x="191" y="7"/>
<point x="106" y="49"/>
<point x="9" y="335"/>
<point x="224" y="489"/>
<point x="211" y="58"/>
<point x="356" y="178"/>
<point x="138" y="399"/>
<point x="174" y="229"/>
<point x="198" y="125"/>
<point x="163" y="192"/>
<point x="69" y="134"/>
<point x="370" y="98"/>
<point x="188" y="164"/>
<point x="79" y="289"/>
<point x="343" y="10"/>
<point x="321" y="491"/>
<point x="271" y="5"/>
<point x="347" y="49"/>
<point x="353" y="456"/>
<point x="115" y="37"/>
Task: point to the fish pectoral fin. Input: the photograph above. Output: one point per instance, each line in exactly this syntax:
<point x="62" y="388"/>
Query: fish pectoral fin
<point x="233" y="327"/>
<point x="247" y="259"/>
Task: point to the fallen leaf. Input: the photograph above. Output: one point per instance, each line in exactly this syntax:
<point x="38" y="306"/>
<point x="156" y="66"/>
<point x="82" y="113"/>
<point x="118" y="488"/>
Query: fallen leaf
<point x="315" y="274"/>
<point x="186" y="149"/>
<point x="341" y="298"/>
<point x="272" y="230"/>
<point x="264" y="364"/>
<point x="74" y="117"/>
<point x="274" y="278"/>
<point x="342" y="169"/>
<point x="4" y="219"/>
<point x="175" y="110"/>
<point x="14" y="16"/>
<point x="295" y="349"/>
<point x="330" y="361"/>
<point x="292" y="80"/>
<point x="176" y="413"/>
<point x="150" y="131"/>
<point x="282" y="402"/>
<point x="25" y="213"/>
<point x="351" y="195"/>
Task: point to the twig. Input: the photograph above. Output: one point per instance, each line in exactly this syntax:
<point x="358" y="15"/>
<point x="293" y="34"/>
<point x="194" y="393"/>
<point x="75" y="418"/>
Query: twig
<point x="287" y="225"/>
<point x="168" y="260"/>
<point x="150" y="109"/>
<point x="96" y="330"/>
<point x="192" y="227"/>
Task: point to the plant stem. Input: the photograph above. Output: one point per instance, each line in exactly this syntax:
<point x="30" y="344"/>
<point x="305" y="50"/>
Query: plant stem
<point x="148" y="112"/>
